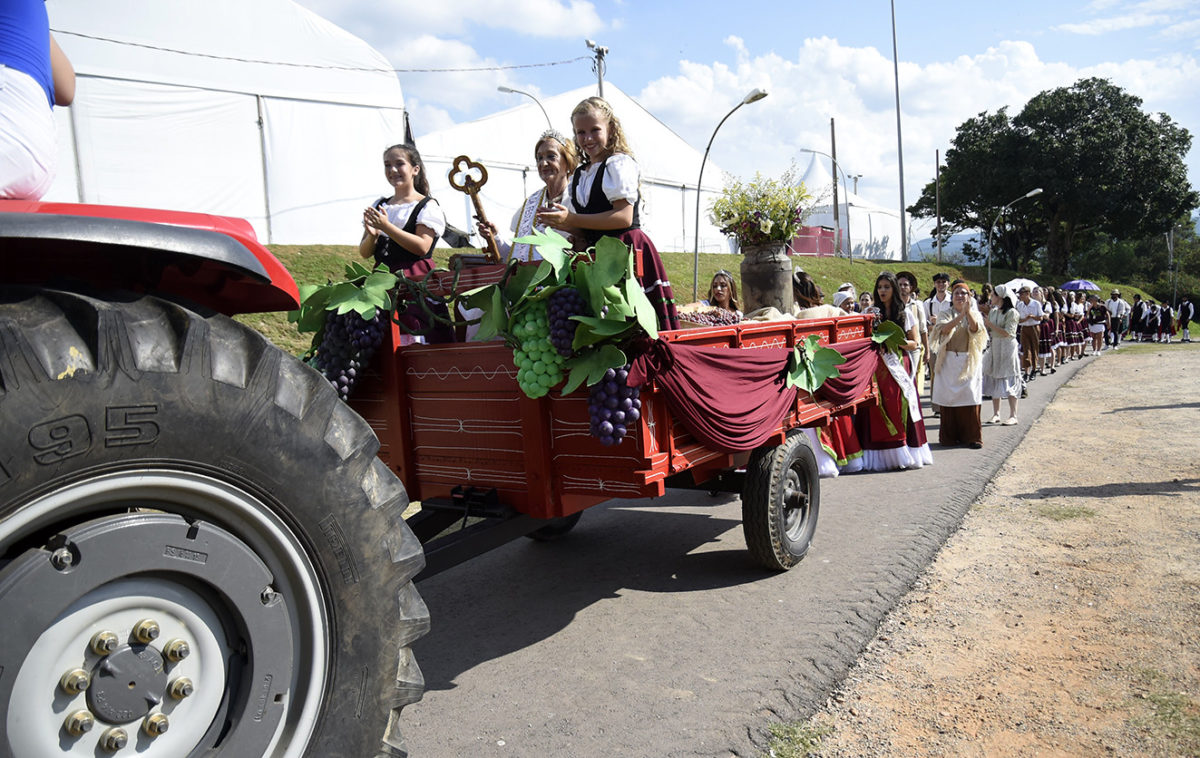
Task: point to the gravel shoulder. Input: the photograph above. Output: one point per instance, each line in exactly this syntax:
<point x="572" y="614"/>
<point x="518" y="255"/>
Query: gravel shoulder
<point x="1063" y="617"/>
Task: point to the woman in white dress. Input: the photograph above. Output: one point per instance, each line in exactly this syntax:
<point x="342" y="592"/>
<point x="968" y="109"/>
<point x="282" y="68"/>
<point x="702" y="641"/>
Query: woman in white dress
<point x="1002" y="361"/>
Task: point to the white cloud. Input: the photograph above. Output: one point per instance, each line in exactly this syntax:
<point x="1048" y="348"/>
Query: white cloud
<point x="1115" y="24"/>
<point x="855" y="87"/>
<point x="1183" y="29"/>
<point x="455" y="92"/>
<point x="425" y="118"/>
<point x="399" y="20"/>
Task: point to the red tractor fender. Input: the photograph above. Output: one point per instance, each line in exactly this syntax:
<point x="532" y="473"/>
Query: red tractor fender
<point x="214" y="261"/>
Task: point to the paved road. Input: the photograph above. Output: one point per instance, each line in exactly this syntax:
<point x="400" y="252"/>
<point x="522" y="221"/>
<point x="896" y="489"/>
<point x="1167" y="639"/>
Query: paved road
<point x="648" y="632"/>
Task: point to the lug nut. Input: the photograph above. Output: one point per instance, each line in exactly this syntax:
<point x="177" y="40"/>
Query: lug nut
<point x="74" y="681"/>
<point x="176" y="650"/>
<point x="79" y="723"/>
<point x="146" y="631"/>
<point x="62" y="559"/>
<point x="155" y="724"/>
<point x="269" y="596"/>
<point x="104" y="643"/>
<point x="113" y="739"/>
<point x="181" y="688"/>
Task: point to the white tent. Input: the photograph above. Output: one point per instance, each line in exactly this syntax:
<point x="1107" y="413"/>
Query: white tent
<point x="261" y="110"/>
<point x="873" y="231"/>
<point x="503" y="142"/>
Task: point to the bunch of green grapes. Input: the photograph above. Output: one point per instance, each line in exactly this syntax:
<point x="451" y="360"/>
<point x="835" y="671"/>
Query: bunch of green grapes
<point x="539" y="365"/>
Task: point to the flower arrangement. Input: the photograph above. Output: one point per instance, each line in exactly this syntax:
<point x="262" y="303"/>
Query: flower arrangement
<point x="761" y="210"/>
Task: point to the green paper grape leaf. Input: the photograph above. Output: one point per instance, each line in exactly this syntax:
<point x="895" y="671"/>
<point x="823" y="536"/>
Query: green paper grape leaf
<point x="890" y="335"/>
<point x="363" y="305"/>
<point x="490" y="300"/>
<point x="308" y="291"/>
<point x="810" y="364"/>
<point x="642" y="309"/>
<point x="377" y="285"/>
<point x="589" y="285"/>
<point x="612" y="261"/>
<point x="589" y="367"/>
<point x="356" y="270"/>
<point x="554" y="248"/>
<point x="494" y="320"/>
<point x="608" y="356"/>
<point x="577" y="374"/>
<point x="524" y="279"/>
<point x="310" y="316"/>
<point x="592" y="330"/>
<point x="618" y="307"/>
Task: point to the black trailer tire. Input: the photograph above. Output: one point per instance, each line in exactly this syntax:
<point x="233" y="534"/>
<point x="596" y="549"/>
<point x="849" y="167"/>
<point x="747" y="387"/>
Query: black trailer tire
<point x="780" y="502"/>
<point x="159" y="464"/>
<point x="556" y="528"/>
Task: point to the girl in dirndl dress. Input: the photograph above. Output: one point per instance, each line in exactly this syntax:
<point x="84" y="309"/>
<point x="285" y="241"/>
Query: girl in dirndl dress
<point x="604" y="198"/>
<point x="400" y="233"/>
<point x="1060" y="328"/>
<point x="1045" y="332"/>
<point x="1076" y="324"/>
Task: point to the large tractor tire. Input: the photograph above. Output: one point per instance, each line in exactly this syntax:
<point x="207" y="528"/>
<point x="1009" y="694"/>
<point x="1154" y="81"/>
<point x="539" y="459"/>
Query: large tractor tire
<point x="200" y="553"/>
<point x="780" y="502"/>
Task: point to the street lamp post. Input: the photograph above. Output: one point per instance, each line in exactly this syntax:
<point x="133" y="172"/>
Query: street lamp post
<point x="754" y="96"/>
<point x="1030" y="193"/>
<point x="598" y="65"/>
<point x="837" y="167"/>
<point x="511" y="91"/>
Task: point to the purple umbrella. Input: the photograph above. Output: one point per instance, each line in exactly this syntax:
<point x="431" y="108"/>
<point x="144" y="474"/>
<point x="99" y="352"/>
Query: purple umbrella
<point x="1080" y="284"/>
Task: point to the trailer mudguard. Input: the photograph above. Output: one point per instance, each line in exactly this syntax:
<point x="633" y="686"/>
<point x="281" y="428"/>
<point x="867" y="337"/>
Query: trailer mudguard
<point x="213" y="261"/>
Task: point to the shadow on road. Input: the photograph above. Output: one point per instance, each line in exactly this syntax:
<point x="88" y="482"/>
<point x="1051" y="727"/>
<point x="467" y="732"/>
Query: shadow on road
<point x="527" y="591"/>
<point x="1154" y="408"/>
<point x="1124" y="489"/>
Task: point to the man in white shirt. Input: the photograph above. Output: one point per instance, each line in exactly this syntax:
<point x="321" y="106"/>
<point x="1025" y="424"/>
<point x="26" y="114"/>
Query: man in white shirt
<point x="1031" y="317"/>
<point x="1118" y="313"/>
<point x="933" y="307"/>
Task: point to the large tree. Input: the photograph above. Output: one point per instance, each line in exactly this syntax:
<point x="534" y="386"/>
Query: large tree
<point x="1106" y="167"/>
<point x="981" y="169"/>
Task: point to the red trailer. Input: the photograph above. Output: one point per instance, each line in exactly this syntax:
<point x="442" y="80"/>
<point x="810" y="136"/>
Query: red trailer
<point x="456" y="428"/>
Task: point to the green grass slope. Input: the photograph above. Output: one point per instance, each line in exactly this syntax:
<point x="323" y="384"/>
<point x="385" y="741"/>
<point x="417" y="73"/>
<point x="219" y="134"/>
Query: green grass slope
<point x="315" y="264"/>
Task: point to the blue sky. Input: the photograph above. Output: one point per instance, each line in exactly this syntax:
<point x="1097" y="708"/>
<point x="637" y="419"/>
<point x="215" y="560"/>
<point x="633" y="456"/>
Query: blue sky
<point x="690" y="62"/>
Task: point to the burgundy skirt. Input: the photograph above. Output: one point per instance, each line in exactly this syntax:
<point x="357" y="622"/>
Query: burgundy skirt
<point x="655" y="282"/>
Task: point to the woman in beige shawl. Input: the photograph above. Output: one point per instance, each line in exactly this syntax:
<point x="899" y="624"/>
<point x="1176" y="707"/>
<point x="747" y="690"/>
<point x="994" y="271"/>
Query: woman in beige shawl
<point x="959" y="338"/>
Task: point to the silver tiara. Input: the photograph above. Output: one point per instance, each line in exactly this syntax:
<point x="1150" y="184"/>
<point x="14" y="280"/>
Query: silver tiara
<point x="553" y="134"/>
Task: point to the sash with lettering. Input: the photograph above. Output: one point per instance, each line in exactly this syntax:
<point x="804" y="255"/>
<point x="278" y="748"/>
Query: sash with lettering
<point x="527" y="225"/>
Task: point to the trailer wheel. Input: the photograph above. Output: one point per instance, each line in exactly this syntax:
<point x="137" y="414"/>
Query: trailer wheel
<point x="199" y="551"/>
<point x="780" y="502"/>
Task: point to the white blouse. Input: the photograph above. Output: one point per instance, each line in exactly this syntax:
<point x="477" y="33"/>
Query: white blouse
<point x="620" y="182"/>
<point x="431" y="215"/>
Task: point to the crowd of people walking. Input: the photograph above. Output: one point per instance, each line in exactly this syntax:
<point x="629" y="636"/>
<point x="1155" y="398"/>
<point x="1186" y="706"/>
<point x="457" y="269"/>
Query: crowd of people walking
<point x="971" y="348"/>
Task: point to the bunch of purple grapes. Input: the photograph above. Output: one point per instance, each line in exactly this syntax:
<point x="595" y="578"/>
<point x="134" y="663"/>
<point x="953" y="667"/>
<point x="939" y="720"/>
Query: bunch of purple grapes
<point x="712" y="317"/>
<point x="564" y="303"/>
<point x="347" y="343"/>
<point x="614" y="406"/>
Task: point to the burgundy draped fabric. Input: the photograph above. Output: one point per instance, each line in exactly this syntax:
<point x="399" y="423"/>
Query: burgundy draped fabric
<point x="730" y="400"/>
<point x="862" y="358"/>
